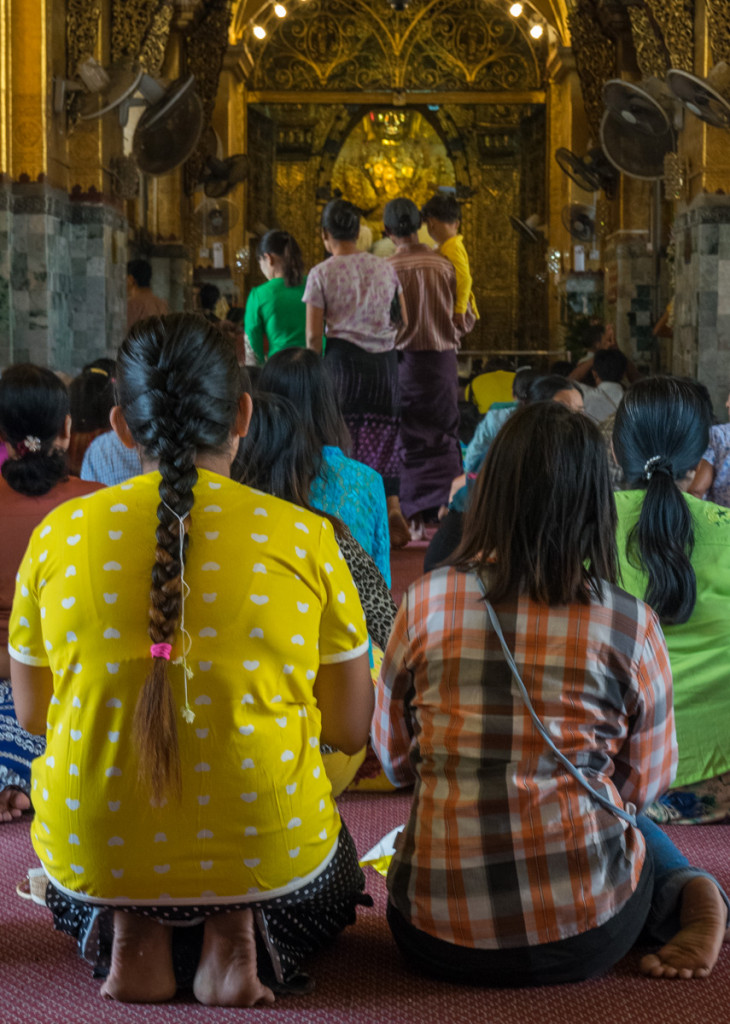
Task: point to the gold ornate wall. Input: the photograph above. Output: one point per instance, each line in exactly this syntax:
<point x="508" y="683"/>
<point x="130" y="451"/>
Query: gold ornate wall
<point x="436" y="45"/>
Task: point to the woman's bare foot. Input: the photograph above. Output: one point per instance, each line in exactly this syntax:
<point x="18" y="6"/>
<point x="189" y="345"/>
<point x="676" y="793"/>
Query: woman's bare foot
<point x="695" y="948"/>
<point x="13" y="802"/>
<point x="227" y="974"/>
<point x="400" y="533"/>
<point x="141" y="970"/>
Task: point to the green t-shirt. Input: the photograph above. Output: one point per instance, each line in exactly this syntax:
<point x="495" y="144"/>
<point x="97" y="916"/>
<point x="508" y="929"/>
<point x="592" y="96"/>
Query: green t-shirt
<point x="276" y="311"/>
<point x="699" y="649"/>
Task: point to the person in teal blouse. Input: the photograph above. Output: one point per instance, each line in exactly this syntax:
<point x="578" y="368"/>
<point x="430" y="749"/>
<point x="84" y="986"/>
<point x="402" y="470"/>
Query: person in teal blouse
<point x="674" y="553"/>
<point x="275" y="312"/>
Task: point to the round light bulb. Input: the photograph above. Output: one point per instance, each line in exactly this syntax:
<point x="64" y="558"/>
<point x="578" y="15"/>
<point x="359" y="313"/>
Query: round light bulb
<point x="536" y="31"/>
<point x="259" y="31"/>
<point x="515" y="10"/>
<point x="279" y="10"/>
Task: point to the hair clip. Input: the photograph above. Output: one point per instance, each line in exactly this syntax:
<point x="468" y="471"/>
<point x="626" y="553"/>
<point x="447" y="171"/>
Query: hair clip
<point x="651" y="465"/>
<point x="30" y="444"/>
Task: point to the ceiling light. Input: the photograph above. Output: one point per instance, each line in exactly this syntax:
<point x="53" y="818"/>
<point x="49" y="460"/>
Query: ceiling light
<point x="279" y="10"/>
<point x="515" y="10"/>
<point x="536" y="30"/>
<point x="259" y="31"/>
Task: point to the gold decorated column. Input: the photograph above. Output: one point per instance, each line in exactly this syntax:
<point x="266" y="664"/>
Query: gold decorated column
<point x="26" y="100"/>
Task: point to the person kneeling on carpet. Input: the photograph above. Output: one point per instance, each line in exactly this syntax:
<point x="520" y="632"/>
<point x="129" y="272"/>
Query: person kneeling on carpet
<point x="530" y="701"/>
<point x="182" y="782"/>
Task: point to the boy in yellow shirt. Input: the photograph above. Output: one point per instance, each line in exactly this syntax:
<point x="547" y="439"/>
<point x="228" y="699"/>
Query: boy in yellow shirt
<point x="442" y="217"/>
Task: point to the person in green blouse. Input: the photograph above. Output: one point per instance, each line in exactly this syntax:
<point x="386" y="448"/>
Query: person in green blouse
<point x="674" y="553"/>
<point x="275" y="315"/>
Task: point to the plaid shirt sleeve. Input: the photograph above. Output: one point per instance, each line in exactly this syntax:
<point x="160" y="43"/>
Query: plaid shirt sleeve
<point x="647" y="763"/>
<point x="392" y="730"/>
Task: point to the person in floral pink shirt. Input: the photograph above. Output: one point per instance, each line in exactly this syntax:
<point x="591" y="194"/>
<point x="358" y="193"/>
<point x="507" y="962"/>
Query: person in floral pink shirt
<point x="355" y="298"/>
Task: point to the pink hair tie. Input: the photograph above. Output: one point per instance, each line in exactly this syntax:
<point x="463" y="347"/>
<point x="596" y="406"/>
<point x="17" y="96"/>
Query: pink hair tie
<point x="161" y="651"/>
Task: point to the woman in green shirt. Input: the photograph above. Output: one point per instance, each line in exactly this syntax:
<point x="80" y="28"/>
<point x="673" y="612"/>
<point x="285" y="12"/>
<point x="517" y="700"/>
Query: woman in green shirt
<point x="275" y="312"/>
<point x="674" y="553"/>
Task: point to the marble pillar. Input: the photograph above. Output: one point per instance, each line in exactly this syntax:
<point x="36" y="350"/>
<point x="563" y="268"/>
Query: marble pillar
<point x="701" y="339"/>
<point x="629" y="292"/>
<point x="62" y="277"/>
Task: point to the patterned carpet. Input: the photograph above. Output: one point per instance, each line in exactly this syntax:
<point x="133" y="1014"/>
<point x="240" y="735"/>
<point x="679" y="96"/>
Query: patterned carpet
<point x="361" y="979"/>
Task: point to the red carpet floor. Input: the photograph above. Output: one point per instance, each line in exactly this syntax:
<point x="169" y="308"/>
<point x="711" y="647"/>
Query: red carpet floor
<point x="361" y="978"/>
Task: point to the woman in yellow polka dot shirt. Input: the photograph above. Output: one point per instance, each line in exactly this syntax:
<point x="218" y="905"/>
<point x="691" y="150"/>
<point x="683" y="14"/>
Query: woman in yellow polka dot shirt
<point x="182" y="778"/>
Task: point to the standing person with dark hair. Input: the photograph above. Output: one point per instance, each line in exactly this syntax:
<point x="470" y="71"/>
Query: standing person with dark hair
<point x="275" y="316"/>
<point x="340" y="486"/>
<point x="141" y="300"/>
<point x="429" y="448"/>
<point x="209" y="298"/>
<point x="442" y="216"/>
<point x="529" y="699"/>
<point x="355" y="299"/>
<point x="35" y="426"/>
<point x="674" y="553"/>
<point x="183" y="778"/>
<point x="602" y="401"/>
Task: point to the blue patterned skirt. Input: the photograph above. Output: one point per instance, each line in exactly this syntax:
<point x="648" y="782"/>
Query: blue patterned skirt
<point x="17" y="747"/>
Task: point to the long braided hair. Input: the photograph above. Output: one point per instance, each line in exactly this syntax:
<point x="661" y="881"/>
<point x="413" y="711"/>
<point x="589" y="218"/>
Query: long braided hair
<point x="179" y="386"/>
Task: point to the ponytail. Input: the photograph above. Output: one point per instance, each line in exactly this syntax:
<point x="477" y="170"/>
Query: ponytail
<point x="660" y="433"/>
<point x="34" y="404"/>
<point x="285" y="247"/>
<point x="661" y="545"/>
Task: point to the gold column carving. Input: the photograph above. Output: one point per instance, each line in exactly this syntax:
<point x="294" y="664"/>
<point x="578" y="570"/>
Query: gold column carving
<point x="131" y="20"/>
<point x="651" y="54"/>
<point x="205" y="44"/>
<point x="82" y="31"/>
<point x="595" y="59"/>
<point x="675" y="19"/>
<point x="718" y="24"/>
<point x="152" y="54"/>
<point x="27" y="89"/>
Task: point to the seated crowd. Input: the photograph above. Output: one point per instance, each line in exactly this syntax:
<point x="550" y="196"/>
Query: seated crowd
<point x="202" y="649"/>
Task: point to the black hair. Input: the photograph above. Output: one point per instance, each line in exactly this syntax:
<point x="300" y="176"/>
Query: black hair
<point x="401" y="217"/>
<point x="302" y="376"/>
<point x="341" y="220"/>
<point x="209" y="295"/>
<point x="278" y="455"/>
<point x="33" y="408"/>
<point x="660" y="432"/>
<point x="543" y="507"/>
<point x="443" y="207"/>
<point x="609" y="364"/>
<point x="562" y="367"/>
<point x="544" y="389"/>
<point x="591" y="334"/>
<point x="179" y="387"/>
<point x="91" y="396"/>
<point x="285" y="246"/>
<point x="141" y="271"/>
<point x="521" y="384"/>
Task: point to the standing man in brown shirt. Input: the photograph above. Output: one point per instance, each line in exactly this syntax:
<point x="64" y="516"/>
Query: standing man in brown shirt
<point x="141" y="300"/>
<point x="429" y="431"/>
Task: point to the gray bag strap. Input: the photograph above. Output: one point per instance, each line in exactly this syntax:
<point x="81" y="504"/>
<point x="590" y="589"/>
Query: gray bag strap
<point x="609" y="805"/>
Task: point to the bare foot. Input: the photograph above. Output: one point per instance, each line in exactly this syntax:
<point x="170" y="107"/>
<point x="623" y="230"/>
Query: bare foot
<point x="695" y="948"/>
<point x="400" y="533"/>
<point x="141" y="970"/>
<point x="13" y="802"/>
<point x="227" y="974"/>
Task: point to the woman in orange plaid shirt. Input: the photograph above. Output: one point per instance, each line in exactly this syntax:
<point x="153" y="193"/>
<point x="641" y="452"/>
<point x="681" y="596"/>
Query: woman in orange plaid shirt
<point x="509" y="872"/>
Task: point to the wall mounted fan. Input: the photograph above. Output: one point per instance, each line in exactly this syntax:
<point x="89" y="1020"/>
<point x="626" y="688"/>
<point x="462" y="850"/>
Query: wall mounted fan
<point x="123" y="81"/>
<point x="636" y="129"/>
<point x="169" y="129"/>
<point x="221" y="176"/>
<point x="579" y="221"/>
<point x="590" y="173"/>
<point x="530" y="229"/>
<point x="215" y="218"/>
<point x="708" y="99"/>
